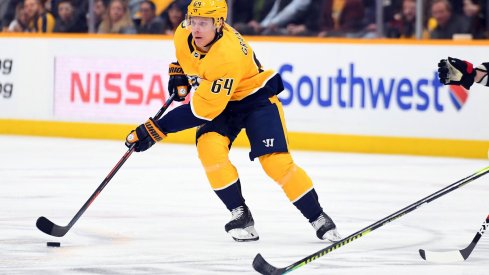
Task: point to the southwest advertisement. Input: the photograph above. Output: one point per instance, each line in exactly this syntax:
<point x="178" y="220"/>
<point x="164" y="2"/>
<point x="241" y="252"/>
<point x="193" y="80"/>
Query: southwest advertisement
<point x="345" y="95"/>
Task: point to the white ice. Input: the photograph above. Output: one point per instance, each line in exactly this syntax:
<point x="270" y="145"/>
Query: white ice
<point x="158" y="215"/>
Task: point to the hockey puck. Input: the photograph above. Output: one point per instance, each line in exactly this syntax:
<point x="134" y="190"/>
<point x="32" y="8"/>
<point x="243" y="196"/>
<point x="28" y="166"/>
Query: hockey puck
<point x="53" y="244"/>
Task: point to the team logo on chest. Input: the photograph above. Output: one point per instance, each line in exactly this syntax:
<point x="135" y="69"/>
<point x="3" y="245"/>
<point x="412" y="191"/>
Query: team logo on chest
<point x="194" y="81"/>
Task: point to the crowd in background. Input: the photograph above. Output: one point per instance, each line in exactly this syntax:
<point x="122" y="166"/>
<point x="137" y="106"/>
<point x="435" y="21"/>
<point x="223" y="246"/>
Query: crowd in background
<point x="443" y="19"/>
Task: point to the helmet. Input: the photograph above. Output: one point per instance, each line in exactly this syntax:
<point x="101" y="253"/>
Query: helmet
<point x="215" y="9"/>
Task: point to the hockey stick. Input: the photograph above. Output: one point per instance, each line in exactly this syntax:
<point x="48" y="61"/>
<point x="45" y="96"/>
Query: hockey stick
<point x="454" y="255"/>
<point x="263" y="267"/>
<point x="50" y="228"/>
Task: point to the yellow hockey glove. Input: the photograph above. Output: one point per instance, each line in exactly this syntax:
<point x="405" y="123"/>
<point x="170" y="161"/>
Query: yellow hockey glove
<point x="145" y="136"/>
<point x="178" y="82"/>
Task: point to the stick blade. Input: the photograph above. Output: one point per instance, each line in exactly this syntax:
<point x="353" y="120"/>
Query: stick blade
<point x="50" y="228"/>
<point x="441" y="256"/>
<point x="263" y="267"/>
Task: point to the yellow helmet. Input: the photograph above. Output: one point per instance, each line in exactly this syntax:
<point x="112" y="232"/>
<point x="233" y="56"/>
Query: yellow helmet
<point x="215" y="9"/>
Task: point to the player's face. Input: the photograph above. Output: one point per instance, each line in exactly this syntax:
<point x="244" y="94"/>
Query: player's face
<point x="203" y="30"/>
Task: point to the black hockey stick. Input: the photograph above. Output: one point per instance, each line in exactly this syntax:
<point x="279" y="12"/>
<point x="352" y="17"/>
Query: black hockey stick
<point x="454" y="255"/>
<point x="263" y="267"/>
<point x="50" y="228"/>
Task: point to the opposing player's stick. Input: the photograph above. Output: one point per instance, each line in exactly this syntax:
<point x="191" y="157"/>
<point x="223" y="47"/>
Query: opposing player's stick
<point x="50" y="228"/>
<point x="454" y="255"/>
<point x="263" y="267"/>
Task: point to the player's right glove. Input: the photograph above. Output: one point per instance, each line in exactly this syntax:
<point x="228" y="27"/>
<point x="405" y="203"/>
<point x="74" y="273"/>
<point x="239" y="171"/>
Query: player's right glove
<point x="178" y="82"/>
<point x="145" y="136"/>
<point x="453" y="71"/>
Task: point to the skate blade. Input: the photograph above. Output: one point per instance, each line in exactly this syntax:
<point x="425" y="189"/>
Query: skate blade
<point x="247" y="234"/>
<point x="332" y="235"/>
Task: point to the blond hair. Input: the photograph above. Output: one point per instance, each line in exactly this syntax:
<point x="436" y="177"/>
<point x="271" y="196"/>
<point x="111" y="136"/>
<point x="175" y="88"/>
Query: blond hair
<point x="108" y="26"/>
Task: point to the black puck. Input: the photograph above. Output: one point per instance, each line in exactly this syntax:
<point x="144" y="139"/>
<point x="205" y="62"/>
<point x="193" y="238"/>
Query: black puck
<point x="53" y="244"/>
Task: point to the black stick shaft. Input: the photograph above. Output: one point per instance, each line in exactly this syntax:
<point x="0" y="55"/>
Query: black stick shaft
<point x="50" y="228"/>
<point x="259" y="262"/>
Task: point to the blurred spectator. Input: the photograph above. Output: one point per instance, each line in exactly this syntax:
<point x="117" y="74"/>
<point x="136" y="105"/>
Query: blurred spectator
<point x="243" y="10"/>
<point x="352" y="22"/>
<point x="330" y="17"/>
<point x="47" y="6"/>
<point x="403" y="25"/>
<point x="279" y="14"/>
<point x="69" y="20"/>
<point x="248" y="14"/>
<point x="351" y="18"/>
<point x="473" y="10"/>
<point x="161" y="6"/>
<point x="39" y="20"/>
<point x="99" y="12"/>
<point x="310" y="23"/>
<point x="133" y="6"/>
<point x="348" y="16"/>
<point x="336" y="10"/>
<point x="447" y="23"/>
<point x="80" y="6"/>
<point x="20" y="22"/>
<point x="326" y="22"/>
<point x="457" y="6"/>
<point x="369" y="19"/>
<point x="149" y="23"/>
<point x="174" y="15"/>
<point x="391" y="9"/>
<point x="3" y="9"/>
<point x="9" y="13"/>
<point x="117" y="19"/>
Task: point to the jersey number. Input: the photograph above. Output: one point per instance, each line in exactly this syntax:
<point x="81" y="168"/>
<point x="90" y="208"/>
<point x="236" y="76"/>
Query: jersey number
<point x="218" y="85"/>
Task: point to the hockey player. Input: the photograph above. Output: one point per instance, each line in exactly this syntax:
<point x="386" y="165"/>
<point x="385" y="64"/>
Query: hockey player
<point x="232" y="92"/>
<point x="453" y="71"/>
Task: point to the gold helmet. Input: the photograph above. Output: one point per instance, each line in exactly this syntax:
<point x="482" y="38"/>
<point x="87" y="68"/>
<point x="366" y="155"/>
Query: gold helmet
<point x="215" y="9"/>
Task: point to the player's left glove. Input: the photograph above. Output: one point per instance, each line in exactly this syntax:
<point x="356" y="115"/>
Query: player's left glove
<point x="178" y="82"/>
<point x="145" y="136"/>
<point x="453" y="71"/>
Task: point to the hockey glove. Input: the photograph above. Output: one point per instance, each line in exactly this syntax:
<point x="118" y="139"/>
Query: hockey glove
<point x="453" y="71"/>
<point x="145" y="136"/>
<point x="482" y="77"/>
<point x="178" y="82"/>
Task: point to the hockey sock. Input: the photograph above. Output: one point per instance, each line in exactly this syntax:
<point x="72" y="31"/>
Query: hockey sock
<point x="309" y="206"/>
<point x="231" y="195"/>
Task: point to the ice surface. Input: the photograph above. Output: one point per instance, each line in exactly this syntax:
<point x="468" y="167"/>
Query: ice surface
<point x="159" y="215"/>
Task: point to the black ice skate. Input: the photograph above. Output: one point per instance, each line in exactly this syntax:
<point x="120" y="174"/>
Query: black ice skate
<point x="325" y="228"/>
<point x="241" y="227"/>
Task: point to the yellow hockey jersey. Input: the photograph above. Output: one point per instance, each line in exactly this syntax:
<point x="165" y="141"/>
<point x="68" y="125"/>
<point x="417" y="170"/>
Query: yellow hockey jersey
<point x="229" y="71"/>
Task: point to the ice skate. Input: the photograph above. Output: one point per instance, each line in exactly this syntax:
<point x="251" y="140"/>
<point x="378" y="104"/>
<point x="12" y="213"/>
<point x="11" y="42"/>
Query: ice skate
<point x="325" y="228"/>
<point x="241" y="227"/>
